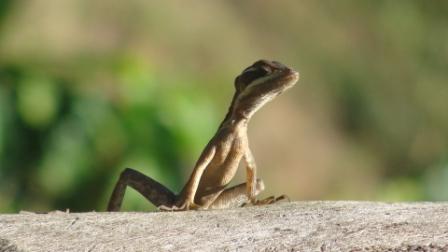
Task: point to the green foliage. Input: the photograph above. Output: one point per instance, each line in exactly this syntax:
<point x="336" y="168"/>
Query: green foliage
<point x="70" y="143"/>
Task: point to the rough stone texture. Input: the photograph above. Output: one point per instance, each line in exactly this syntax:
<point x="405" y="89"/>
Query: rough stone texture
<point x="297" y="226"/>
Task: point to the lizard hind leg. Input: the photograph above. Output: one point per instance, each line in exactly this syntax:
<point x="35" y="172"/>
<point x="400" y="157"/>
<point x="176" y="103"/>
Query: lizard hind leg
<point x="236" y="196"/>
<point x="152" y="190"/>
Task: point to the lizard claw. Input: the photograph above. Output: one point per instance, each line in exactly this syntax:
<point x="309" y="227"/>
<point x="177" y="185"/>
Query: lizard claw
<point x="282" y="197"/>
<point x="266" y="201"/>
<point x="166" y="208"/>
<point x="184" y="207"/>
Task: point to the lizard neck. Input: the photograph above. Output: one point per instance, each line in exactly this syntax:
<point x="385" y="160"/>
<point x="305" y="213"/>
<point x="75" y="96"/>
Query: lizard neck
<point x="235" y="121"/>
<point x="234" y="118"/>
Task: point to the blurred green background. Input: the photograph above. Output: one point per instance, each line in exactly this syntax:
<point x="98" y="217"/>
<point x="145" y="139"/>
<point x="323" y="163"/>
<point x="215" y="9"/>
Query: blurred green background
<point x="88" y="88"/>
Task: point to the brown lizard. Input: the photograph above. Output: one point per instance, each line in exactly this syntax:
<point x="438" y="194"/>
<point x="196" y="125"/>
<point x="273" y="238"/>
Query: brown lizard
<point x="206" y="188"/>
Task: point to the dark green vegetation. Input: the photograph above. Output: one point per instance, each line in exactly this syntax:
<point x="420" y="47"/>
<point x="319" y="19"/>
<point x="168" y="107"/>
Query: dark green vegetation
<point x="87" y="89"/>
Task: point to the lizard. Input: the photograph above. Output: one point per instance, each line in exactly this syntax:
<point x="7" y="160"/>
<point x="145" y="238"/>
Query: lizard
<point x="206" y="188"/>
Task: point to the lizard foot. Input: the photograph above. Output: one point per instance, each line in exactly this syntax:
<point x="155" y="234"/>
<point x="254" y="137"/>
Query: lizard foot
<point x="282" y="197"/>
<point x="267" y="201"/>
<point x="184" y="207"/>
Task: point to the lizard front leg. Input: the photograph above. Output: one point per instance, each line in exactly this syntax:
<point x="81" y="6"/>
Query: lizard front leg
<point x="185" y="201"/>
<point x="251" y="172"/>
<point x="152" y="190"/>
<point x="251" y="182"/>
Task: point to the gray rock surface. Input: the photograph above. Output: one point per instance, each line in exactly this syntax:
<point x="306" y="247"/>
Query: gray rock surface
<point x="296" y="226"/>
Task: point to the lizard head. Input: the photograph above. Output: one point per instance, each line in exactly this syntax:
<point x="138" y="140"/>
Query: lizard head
<point x="260" y="83"/>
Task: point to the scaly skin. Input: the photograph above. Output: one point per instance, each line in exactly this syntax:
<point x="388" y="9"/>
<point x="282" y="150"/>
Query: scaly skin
<point x="217" y="165"/>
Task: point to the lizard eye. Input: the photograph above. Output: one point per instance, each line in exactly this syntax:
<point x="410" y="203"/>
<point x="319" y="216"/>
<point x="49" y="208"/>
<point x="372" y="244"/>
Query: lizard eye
<point x="251" y="74"/>
<point x="258" y="71"/>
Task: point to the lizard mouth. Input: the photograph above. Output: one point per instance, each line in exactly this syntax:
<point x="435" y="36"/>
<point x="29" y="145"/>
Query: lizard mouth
<point x="279" y="81"/>
<point x="290" y="75"/>
<point x="288" y="78"/>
